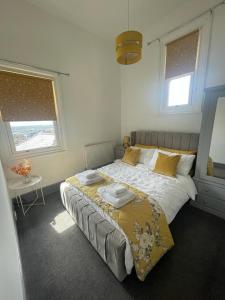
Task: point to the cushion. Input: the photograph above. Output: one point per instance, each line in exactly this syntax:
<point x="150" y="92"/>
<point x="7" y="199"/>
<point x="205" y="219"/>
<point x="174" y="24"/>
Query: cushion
<point x="184" y="165"/>
<point x="145" y="155"/>
<point x="131" y="156"/>
<point x="146" y="146"/>
<point x="167" y="164"/>
<point x="192" y="152"/>
<point x="210" y="167"/>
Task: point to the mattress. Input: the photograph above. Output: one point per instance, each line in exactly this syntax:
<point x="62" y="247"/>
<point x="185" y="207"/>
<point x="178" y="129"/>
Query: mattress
<point x="170" y="193"/>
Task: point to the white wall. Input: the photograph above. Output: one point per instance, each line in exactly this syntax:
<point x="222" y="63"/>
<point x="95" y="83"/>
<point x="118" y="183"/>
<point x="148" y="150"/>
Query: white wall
<point x="94" y="96"/>
<point x="11" y="281"/>
<point x="217" y="148"/>
<point x="91" y="95"/>
<point x="216" y="74"/>
<point x="140" y="82"/>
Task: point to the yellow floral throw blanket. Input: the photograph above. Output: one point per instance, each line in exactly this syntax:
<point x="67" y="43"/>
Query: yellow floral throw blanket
<point x="143" y="222"/>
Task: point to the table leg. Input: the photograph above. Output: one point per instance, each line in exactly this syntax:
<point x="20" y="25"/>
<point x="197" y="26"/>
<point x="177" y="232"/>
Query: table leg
<point x="42" y="194"/>
<point x="17" y="201"/>
<point x="21" y="202"/>
<point x="36" y="190"/>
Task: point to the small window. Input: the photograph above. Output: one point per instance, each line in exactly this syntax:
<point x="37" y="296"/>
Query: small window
<point x="180" y="74"/>
<point x="33" y="135"/>
<point x="179" y="90"/>
<point x="28" y="106"/>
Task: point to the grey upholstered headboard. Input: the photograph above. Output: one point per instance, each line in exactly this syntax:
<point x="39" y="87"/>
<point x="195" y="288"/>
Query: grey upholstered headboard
<point x="174" y="140"/>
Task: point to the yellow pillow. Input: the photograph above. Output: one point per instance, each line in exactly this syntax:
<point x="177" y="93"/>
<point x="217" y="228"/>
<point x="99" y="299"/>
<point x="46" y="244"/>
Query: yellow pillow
<point x="131" y="156"/>
<point x="167" y="164"/>
<point x="178" y="151"/>
<point x="210" y="171"/>
<point x="146" y="146"/>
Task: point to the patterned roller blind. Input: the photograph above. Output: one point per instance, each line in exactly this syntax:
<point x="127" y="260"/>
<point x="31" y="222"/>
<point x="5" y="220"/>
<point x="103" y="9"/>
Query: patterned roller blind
<point x="181" y="55"/>
<point x="26" y="98"/>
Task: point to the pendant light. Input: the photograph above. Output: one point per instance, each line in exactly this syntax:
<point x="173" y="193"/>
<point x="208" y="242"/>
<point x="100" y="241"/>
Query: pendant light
<point x="128" y="45"/>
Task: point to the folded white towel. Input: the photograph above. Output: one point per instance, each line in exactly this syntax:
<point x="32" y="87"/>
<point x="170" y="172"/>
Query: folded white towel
<point x="116" y="189"/>
<point x="89" y="174"/>
<point x="85" y="181"/>
<point x="116" y="202"/>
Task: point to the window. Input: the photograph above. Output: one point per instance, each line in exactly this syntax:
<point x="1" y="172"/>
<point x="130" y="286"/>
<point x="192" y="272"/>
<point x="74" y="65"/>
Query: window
<point x="179" y="90"/>
<point x="33" y="135"/>
<point x="180" y="66"/>
<point x="29" y="111"/>
<point x="184" y="59"/>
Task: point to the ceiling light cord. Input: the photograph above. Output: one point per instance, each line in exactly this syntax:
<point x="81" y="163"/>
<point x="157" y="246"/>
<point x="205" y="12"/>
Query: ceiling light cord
<point x="128" y="17"/>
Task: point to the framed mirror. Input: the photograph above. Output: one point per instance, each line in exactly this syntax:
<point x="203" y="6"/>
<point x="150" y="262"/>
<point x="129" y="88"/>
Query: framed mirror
<point x="211" y="152"/>
<point x="216" y="162"/>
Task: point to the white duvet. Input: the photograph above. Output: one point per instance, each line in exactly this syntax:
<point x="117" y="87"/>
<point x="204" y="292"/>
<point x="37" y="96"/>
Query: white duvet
<point x="170" y="193"/>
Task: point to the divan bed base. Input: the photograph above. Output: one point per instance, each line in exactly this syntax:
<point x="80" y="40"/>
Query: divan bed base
<point x="107" y="240"/>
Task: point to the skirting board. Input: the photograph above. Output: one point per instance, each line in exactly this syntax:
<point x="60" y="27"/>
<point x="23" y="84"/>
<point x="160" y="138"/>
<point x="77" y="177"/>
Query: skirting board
<point x="219" y="165"/>
<point x="47" y="190"/>
<point x="208" y="209"/>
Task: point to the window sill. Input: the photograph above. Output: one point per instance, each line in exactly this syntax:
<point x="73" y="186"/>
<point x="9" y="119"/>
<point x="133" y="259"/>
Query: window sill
<point x="37" y="153"/>
<point x="181" y="110"/>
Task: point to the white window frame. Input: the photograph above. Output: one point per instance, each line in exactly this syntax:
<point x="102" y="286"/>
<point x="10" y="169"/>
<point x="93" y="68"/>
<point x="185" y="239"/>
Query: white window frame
<point x="6" y="136"/>
<point x="198" y="76"/>
<point x="167" y="82"/>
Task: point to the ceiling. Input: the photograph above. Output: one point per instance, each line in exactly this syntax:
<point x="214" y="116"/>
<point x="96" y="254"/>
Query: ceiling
<point x="107" y="18"/>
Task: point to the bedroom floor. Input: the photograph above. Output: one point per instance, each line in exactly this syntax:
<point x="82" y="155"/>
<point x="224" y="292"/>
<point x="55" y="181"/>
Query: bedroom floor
<point x="64" y="266"/>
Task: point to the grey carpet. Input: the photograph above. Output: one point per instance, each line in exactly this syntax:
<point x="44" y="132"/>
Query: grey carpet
<point x="65" y="266"/>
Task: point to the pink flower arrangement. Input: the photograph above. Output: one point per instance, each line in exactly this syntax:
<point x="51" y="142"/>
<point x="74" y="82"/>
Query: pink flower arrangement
<point x="23" y="168"/>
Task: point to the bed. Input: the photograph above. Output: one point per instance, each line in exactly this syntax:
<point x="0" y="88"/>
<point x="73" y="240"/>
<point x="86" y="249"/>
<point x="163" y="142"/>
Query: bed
<point x="170" y="194"/>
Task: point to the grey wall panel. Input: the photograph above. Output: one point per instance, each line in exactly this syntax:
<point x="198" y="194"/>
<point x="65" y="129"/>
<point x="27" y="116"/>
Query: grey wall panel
<point x="154" y="138"/>
<point x="161" y="139"/>
<point x="194" y="142"/>
<point x="168" y="140"/>
<point x="175" y="140"/>
<point x="185" y="141"/>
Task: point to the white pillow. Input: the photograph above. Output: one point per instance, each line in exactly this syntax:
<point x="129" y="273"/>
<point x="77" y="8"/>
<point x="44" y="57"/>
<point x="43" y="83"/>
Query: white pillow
<point x="145" y="155"/>
<point x="153" y="160"/>
<point x="185" y="163"/>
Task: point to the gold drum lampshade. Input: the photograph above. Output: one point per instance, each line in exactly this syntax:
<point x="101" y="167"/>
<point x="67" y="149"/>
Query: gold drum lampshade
<point x="128" y="47"/>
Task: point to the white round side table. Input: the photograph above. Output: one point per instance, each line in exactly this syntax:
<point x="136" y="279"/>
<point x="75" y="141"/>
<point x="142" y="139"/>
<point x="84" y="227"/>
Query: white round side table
<point x="18" y="186"/>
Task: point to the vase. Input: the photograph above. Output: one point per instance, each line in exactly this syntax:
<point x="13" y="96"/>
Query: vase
<point x="26" y="179"/>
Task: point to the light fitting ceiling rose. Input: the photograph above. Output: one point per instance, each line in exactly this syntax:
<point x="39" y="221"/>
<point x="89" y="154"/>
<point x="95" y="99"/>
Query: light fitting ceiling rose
<point x="128" y="46"/>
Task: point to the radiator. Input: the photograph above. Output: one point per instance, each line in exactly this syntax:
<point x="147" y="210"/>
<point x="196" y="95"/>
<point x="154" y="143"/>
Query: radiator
<point x="98" y="154"/>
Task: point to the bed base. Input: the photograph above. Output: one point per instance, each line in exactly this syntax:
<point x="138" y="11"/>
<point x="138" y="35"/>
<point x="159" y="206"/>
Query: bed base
<point x="103" y="236"/>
